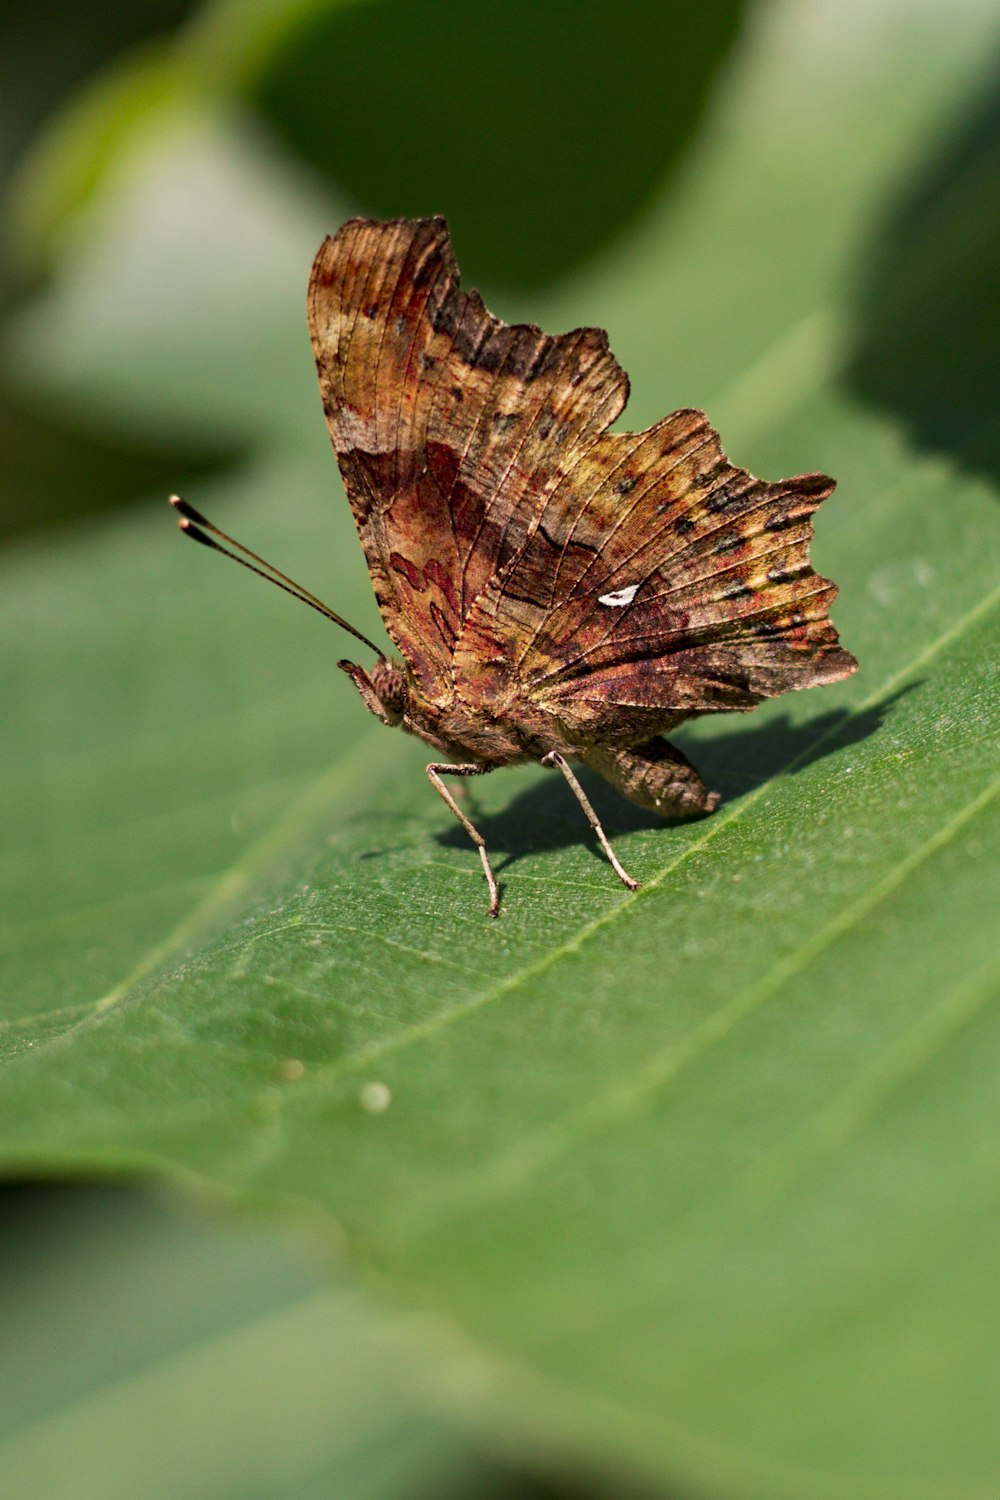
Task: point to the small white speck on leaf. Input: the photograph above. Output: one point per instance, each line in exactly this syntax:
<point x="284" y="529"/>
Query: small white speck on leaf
<point x="375" y="1098"/>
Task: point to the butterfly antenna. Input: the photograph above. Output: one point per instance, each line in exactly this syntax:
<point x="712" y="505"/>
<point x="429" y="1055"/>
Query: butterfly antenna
<point x="198" y="527"/>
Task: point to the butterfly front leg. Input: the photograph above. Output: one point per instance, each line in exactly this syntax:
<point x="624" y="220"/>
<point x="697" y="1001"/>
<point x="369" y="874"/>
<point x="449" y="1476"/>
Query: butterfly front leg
<point x="435" y="771"/>
<point x="555" y="759"/>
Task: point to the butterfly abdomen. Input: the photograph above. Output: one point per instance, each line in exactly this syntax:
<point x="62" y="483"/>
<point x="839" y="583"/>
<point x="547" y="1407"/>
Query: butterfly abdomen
<point x="656" y="776"/>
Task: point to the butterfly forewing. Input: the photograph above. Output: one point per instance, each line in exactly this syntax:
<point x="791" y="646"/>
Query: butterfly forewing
<point x="450" y="427"/>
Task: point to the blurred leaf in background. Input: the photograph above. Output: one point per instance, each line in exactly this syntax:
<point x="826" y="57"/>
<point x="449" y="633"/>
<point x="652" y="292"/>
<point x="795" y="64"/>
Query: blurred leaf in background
<point x="541" y="131"/>
<point x="158" y="1357"/>
<point x="694" y="1190"/>
<point x="54" y="465"/>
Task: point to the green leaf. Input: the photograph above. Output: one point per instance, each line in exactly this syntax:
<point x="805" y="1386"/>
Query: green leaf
<point x="698" y="1184"/>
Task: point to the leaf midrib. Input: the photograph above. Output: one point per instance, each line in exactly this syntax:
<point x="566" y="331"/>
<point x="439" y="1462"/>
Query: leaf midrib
<point x="357" y="764"/>
<point x="490" y="1181"/>
<point x="323" y="1076"/>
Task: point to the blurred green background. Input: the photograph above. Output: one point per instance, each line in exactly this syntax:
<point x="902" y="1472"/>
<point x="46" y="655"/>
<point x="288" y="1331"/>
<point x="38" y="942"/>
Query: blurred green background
<point x="541" y="132"/>
<point x="169" y="171"/>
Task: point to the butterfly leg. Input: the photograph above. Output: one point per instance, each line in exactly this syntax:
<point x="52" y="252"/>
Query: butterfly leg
<point x="435" y="771"/>
<point x="555" y="759"/>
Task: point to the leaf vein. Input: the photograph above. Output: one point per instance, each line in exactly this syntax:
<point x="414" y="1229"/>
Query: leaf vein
<point x="572" y="945"/>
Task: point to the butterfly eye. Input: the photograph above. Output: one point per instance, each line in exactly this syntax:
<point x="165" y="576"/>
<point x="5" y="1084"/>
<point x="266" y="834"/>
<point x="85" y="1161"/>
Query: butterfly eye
<point x="619" y="597"/>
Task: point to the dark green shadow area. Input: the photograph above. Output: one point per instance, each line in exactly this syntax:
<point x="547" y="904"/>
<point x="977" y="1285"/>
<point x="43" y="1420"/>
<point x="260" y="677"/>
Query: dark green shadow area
<point x="538" y="130"/>
<point x="929" y="315"/>
<point x="54" y="473"/>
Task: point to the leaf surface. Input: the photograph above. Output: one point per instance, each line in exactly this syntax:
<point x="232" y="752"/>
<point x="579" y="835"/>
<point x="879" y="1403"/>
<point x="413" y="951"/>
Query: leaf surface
<point x="704" y="1180"/>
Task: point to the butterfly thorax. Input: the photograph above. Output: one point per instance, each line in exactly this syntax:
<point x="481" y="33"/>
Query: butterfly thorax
<point x="493" y="736"/>
<point x="462" y="731"/>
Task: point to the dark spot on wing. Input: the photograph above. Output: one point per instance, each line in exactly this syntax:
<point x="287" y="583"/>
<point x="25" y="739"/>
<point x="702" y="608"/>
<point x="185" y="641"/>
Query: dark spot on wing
<point x="727" y="496"/>
<point x="721" y="466"/>
<point x="400" y="564"/>
<point x="445" y="318"/>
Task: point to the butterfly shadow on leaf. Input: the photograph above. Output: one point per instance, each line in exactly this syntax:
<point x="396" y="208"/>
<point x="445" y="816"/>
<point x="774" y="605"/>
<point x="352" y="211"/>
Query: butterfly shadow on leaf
<point x="545" y="815"/>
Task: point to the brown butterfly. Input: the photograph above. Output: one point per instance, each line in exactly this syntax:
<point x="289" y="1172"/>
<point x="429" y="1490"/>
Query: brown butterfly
<point x="557" y="591"/>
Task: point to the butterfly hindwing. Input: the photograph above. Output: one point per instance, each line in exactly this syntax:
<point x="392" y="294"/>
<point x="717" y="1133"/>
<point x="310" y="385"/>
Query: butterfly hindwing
<point x="661" y="580"/>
